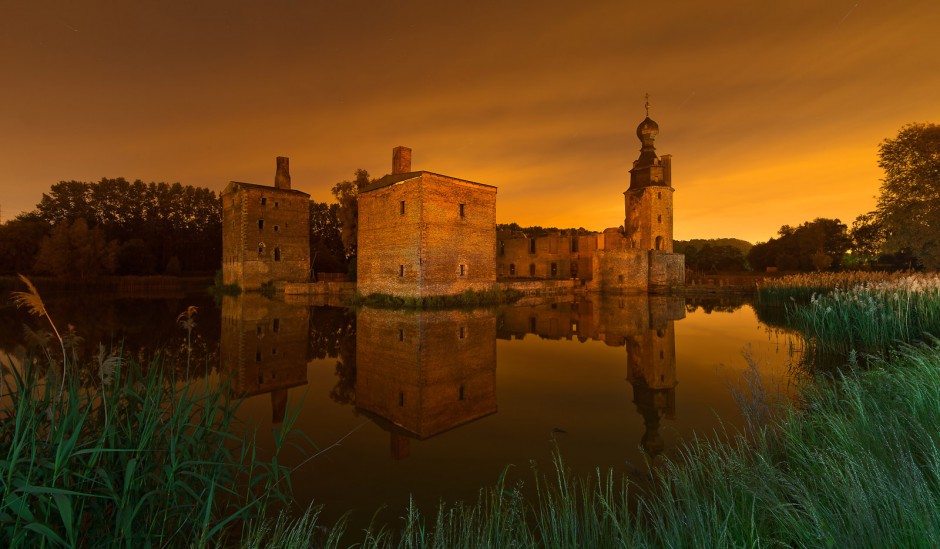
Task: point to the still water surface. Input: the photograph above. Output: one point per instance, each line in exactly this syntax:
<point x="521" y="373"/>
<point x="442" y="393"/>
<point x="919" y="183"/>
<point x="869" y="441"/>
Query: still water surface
<point x="434" y="405"/>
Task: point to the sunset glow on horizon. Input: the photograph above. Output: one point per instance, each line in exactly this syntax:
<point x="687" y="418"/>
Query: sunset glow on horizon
<point x="773" y="113"/>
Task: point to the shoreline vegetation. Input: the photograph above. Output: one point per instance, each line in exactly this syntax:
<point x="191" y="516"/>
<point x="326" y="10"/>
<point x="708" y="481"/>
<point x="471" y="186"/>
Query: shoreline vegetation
<point x="854" y="460"/>
<point x="467" y="299"/>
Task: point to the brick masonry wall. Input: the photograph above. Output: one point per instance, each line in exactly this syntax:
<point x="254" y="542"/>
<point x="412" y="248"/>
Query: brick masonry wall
<point x="428" y="371"/>
<point x="515" y="250"/>
<point x="649" y="215"/>
<point x="420" y="253"/>
<point x="285" y="231"/>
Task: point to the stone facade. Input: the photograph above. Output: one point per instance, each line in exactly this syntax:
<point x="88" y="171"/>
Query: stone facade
<point x="425" y="234"/>
<point x="265" y="232"/>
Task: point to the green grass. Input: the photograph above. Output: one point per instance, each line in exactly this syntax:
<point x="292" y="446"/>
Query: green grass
<point x="467" y="299"/>
<point x="133" y="461"/>
<point x="856" y="464"/>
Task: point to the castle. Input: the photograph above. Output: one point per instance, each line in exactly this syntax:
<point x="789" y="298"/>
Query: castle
<point x="425" y="234"/>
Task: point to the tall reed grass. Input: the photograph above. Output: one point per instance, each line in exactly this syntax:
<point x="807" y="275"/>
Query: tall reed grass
<point x="871" y="317"/>
<point x="801" y="287"/>
<point x="138" y="461"/>
<point x="856" y="465"/>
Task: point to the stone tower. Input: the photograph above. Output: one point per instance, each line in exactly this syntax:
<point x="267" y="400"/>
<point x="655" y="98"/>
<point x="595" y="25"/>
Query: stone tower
<point x="648" y="223"/>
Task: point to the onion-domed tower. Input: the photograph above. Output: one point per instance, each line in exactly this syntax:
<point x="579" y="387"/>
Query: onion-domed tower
<point x="648" y="223"/>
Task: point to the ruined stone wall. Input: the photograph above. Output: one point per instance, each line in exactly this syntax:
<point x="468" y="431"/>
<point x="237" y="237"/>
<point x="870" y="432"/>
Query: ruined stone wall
<point x="426" y="372"/>
<point x="265" y="235"/>
<point x="667" y="271"/>
<point x="430" y="249"/>
<point x="389" y="241"/>
<point x="648" y="217"/>
<point x="572" y="256"/>
<point x="620" y="271"/>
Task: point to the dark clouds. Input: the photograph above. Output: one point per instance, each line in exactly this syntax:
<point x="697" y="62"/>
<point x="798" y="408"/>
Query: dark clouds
<point x="773" y="112"/>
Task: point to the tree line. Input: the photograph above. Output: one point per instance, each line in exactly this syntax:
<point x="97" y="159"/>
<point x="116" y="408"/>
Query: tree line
<point x="80" y="230"/>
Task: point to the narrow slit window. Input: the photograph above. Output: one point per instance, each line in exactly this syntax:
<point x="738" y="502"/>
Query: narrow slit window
<point x="275" y="203"/>
<point x="659" y="218"/>
<point x="554" y="270"/>
<point x="463" y="332"/>
<point x="461" y="210"/>
<point x="260" y="224"/>
<point x="401" y="207"/>
<point x="258" y="356"/>
<point x="532" y="269"/>
<point x="401" y="335"/>
<point x="462" y="270"/>
<point x="276" y="228"/>
<point x="401" y="398"/>
<point x="276" y="325"/>
<point x="532" y="246"/>
<point x="512" y="269"/>
<point x="264" y="201"/>
<point x="401" y="271"/>
<point x="277" y="254"/>
<point x="460" y="394"/>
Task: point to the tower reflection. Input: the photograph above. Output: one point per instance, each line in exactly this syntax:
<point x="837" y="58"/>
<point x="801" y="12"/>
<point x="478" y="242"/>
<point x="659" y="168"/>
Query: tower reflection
<point x="422" y="373"/>
<point x="264" y="347"/>
<point x="643" y="324"/>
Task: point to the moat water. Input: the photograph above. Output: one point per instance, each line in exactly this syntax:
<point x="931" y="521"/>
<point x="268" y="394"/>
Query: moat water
<point x="435" y="405"/>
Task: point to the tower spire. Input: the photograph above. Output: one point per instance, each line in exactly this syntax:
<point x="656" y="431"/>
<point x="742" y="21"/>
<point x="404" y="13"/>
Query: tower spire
<point x="647" y="104"/>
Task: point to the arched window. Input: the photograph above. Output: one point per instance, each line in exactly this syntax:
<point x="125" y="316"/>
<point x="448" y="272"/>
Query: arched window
<point x="659" y="243"/>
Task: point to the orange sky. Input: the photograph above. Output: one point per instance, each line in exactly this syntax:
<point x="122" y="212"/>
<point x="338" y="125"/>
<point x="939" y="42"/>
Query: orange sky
<point x="773" y="113"/>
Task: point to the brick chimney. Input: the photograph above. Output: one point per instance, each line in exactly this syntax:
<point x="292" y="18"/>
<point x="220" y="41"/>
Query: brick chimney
<point x="401" y="160"/>
<point x="282" y="176"/>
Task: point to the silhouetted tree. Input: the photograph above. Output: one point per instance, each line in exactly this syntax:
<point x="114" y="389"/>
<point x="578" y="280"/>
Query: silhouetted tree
<point x="20" y="239"/>
<point x="909" y="199"/>
<point x="327" y="253"/>
<point x="802" y="248"/>
<point x="75" y="251"/>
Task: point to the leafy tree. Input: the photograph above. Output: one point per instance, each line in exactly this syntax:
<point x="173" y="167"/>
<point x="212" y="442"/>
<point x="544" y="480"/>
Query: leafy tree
<point x="803" y="247"/>
<point x="327" y="253"/>
<point x="347" y="195"/>
<point x="75" y="251"/>
<point x="134" y="258"/>
<point x="909" y="199"/>
<point x="19" y="242"/>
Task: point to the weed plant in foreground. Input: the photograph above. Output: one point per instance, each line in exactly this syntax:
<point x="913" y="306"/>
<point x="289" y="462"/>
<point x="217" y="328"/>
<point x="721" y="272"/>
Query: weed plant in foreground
<point x="857" y="464"/>
<point x="139" y="461"/>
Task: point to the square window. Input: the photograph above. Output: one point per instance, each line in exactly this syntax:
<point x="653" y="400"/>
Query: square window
<point x="264" y="201"/>
<point x="275" y="203"/>
<point x="276" y="228"/>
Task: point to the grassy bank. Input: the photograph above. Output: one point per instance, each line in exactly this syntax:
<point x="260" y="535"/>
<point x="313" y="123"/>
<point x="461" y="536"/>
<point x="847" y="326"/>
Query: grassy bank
<point x="857" y="464"/>
<point x="467" y="299"/>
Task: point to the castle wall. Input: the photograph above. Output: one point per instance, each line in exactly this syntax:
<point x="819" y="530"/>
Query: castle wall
<point x="649" y="216"/>
<point x="553" y="256"/>
<point x="443" y="243"/>
<point x="666" y="271"/>
<point x="265" y="235"/>
<point x="620" y="271"/>
<point x="389" y="241"/>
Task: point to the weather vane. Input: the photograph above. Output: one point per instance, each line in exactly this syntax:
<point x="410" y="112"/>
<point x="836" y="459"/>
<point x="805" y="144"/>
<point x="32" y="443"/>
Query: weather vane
<point x="647" y="105"/>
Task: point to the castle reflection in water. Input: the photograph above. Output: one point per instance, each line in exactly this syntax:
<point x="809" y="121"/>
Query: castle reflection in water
<point x="417" y="374"/>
